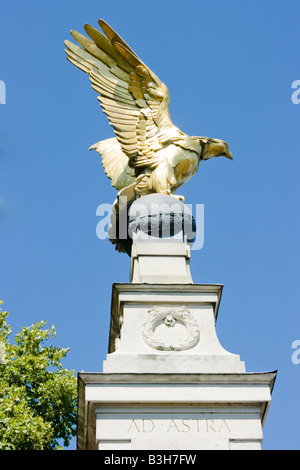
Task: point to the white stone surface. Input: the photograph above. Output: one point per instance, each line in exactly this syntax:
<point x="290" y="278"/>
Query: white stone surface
<point x="167" y="382"/>
<point x="190" y="388"/>
<point x="177" y="429"/>
<point x="165" y="411"/>
<point x="161" y="262"/>
<point x="139" y="343"/>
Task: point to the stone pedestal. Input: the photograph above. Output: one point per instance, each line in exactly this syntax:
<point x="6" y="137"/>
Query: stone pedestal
<point x="167" y="382"/>
<point x="159" y="411"/>
<point x="167" y="328"/>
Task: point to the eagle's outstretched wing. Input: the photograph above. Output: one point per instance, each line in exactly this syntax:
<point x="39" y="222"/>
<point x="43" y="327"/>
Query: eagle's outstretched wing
<point x="134" y="99"/>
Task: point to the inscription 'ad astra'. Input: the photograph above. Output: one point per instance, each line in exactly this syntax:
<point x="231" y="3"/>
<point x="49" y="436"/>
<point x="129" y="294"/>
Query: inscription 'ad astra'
<point x="179" y="426"/>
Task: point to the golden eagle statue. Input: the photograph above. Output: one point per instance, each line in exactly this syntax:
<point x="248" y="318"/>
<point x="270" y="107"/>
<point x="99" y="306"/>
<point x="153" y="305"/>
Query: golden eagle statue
<point x="149" y="153"/>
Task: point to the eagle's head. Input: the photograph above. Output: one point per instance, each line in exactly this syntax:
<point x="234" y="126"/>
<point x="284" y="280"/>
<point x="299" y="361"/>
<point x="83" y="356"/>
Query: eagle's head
<point x="215" y="148"/>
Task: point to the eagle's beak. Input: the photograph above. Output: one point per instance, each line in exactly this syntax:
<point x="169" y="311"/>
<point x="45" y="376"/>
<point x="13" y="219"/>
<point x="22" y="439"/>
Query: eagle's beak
<point x="229" y="155"/>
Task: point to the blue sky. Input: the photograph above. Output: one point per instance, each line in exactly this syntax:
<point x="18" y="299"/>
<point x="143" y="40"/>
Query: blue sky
<point x="229" y="67"/>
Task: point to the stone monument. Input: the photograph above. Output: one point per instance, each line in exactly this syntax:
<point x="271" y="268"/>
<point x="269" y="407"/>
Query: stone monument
<point x="167" y="382"/>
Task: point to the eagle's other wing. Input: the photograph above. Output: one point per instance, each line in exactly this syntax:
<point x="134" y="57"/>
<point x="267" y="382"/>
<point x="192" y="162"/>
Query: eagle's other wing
<point x="134" y="99"/>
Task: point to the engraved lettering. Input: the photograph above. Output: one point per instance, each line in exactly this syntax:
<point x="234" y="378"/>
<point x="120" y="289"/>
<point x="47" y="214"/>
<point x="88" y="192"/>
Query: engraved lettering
<point x="147" y="425"/>
<point x="133" y="425"/>
<point x="173" y="425"/>
<point x="187" y="426"/>
<point x="210" y="425"/>
<point x="224" y="425"/>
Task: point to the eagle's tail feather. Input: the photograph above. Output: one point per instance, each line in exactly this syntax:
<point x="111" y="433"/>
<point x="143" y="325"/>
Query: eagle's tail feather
<point x="115" y="163"/>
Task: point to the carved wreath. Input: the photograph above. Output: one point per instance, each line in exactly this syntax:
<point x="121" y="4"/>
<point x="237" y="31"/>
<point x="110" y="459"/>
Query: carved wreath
<point x="170" y="317"/>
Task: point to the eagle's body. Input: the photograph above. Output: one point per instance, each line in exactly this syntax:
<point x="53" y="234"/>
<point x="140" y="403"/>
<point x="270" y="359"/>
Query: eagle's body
<point x="177" y="165"/>
<point x="174" y="165"/>
<point x="149" y="153"/>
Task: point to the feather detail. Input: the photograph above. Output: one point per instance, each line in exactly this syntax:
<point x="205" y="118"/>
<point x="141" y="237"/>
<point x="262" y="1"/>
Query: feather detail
<point x="129" y="92"/>
<point x="115" y="163"/>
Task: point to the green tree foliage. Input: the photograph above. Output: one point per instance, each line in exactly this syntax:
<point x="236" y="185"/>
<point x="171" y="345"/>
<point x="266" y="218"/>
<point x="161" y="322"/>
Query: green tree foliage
<point x="37" y="395"/>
